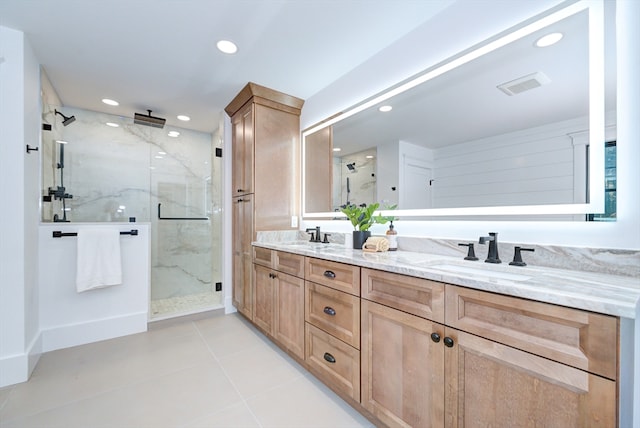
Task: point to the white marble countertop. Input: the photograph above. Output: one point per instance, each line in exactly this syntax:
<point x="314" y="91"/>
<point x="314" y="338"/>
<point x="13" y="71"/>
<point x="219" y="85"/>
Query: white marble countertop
<point x="602" y="293"/>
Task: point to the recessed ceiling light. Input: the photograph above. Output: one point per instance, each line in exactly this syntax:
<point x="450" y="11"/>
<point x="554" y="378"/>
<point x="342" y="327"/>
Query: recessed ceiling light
<point x="183" y="118"/>
<point x="110" y="102"/>
<point x="158" y="157"/>
<point x="336" y="149"/>
<point x="369" y="157"/>
<point x="111" y="124"/>
<point x="548" y="40"/>
<point x="162" y="153"/>
<point x="226" y="46"/>
<point x="173" y="134"/>
<point x="385" y="109"/>
<point x="61" y="142"/>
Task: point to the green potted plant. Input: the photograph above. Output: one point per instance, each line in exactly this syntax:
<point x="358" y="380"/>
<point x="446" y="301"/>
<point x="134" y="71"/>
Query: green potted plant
<point x="362" y="218"/>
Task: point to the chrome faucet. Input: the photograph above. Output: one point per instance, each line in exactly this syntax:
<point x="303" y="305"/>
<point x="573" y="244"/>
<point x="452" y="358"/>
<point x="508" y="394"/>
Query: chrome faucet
<point x="492" y="255"/>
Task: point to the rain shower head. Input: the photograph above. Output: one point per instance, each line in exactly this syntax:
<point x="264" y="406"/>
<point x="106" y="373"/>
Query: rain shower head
<point x="66" y="120"/>
<point x="351" y="167"/>
<point x="148" y="120"/>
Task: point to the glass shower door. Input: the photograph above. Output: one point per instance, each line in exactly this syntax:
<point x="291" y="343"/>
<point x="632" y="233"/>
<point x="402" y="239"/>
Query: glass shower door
<point x="186" y="197"/>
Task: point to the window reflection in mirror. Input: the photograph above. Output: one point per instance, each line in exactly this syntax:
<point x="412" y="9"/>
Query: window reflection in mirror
<point x="458" y="142"/>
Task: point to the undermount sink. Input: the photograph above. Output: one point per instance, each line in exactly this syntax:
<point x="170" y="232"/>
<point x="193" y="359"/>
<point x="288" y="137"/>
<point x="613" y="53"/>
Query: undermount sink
<point x="480" y="272"/>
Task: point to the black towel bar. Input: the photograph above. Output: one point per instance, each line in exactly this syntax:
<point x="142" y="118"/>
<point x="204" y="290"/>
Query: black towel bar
<point x="59" y="234"/>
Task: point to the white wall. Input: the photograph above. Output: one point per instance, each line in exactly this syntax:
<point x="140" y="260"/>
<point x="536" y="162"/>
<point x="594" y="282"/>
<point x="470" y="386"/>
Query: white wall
<point x="19" y="175"/>
<point x="69" y="318"/>
<point x="456" y="28"/>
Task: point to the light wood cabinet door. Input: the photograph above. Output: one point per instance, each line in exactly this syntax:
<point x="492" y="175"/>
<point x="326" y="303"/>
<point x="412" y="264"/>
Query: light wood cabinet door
<point x="242" y="228"/>
<point x="290" y="263"/>
<point x="333" y="361"/>
<point x="582" y="339"/>
<point x="289" y="313"/>
<point x="333" y="311"/>
<point x="339" y="276"/>
<point x="402" y="367"/>
<point x="263" y="298"/>
<point x="242" y="151"/>
<point x="494" y="385"/>
<point x="417" y="296"/>
<point x="277" y="167"/>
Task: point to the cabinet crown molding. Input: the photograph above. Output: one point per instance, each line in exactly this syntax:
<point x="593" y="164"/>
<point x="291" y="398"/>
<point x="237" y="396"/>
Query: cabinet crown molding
<point x="258" y="92"/>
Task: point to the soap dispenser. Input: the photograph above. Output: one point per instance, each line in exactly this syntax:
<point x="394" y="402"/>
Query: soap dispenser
<point x="392" y="238"/>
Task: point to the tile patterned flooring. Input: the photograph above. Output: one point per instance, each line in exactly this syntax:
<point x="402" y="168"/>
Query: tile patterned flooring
<point x="215" y="371"/>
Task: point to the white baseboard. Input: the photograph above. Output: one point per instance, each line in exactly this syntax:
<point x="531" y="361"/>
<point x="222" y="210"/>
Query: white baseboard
<point x="228" y="306"/>
<point x="14" y="369"/>
<point x="17" y="368"/>
<point x="66" y="336"/>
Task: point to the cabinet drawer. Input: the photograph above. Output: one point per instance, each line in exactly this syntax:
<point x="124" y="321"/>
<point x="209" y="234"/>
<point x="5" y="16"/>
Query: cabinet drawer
<point x="262" y="256"/>
<point x="333" y="311"/>
<point x="416" y="296"/>
<point x="293" y="264"/>
<point x="333" y="361"/>
<point x="333" y="274"/>
<point x="574" y="337"/>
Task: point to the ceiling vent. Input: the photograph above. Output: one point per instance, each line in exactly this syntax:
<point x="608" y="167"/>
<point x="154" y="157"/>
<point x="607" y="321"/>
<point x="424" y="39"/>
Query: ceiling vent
<point x="148" y="120"/>
<point x="522" y="84"/>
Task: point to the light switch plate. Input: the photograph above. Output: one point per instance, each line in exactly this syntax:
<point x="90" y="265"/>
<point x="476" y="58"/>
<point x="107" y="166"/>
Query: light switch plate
<point x="294" y="221"/>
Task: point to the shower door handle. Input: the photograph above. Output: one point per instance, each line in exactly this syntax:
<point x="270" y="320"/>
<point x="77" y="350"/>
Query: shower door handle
<point x="178" y="218"/>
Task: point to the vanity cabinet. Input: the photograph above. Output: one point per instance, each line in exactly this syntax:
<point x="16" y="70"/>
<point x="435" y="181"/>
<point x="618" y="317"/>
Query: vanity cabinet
<point x="412" y="352"/>
<point x="265" y="175"/>
<point x="473" y="358"/>
<point x="279" y="297"/>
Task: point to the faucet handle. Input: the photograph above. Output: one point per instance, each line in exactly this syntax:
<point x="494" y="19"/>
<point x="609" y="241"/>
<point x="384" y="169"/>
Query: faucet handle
<point x="311" y="231"/>
<point x="471" y="254"/>
<point x="517" y="256"/>
<point x="326" y="241"/>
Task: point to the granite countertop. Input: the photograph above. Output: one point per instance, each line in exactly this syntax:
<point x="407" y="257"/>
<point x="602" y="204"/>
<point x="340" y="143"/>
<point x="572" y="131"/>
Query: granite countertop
<point x="602" y="293"/>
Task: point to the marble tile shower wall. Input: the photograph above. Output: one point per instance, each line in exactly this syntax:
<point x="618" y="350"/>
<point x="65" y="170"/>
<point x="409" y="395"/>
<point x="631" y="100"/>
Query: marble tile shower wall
<point x="115" y="173"/>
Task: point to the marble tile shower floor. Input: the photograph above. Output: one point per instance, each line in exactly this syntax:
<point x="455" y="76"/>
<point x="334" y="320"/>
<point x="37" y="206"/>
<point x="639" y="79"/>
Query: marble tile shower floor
<point x="176" y="305"/>
<point x="216" y="371"/>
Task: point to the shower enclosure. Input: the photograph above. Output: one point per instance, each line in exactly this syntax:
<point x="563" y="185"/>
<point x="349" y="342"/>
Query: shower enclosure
<point x="116" y="171"/>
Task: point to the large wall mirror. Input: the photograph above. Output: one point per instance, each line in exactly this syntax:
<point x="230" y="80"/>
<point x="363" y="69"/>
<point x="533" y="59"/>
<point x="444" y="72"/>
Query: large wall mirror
<point x="506" y="128"/>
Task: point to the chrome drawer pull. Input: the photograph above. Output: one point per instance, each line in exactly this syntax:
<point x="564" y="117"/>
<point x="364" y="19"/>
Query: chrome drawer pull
<point x="329" y="310"/>
<point x="329" y="274"/>
<point x="329" y="358"/>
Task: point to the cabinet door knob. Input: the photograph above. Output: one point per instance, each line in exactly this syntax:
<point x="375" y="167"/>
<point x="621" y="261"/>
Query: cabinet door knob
<point x="435" y="337"/>
<point x="448" y="342"/>
<point x="329" y="310"/>
<point x="329" y="358"/>
<point x="241" y="191"/>
<point x="329" y="274"/>
<point x="272" y="275"/>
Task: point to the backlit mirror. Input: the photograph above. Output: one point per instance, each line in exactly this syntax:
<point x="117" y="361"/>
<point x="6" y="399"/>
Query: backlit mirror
<point x="506" y="128"/>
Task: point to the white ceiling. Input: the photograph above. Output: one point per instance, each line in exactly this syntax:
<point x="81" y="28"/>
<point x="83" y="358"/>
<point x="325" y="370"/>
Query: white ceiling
<point x="161" y="55"/>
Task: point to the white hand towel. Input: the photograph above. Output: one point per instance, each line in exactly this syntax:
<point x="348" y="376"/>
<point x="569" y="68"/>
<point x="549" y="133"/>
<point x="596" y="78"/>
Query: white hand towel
<point x="99" y="261"/>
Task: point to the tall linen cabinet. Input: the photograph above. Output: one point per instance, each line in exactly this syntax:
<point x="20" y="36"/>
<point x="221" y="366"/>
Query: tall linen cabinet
<point x="265" y="175"/>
